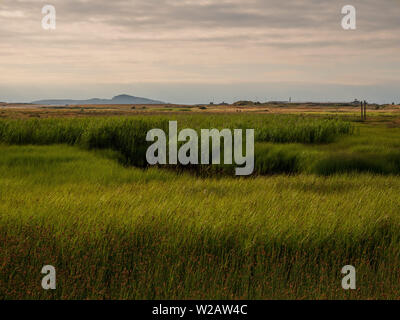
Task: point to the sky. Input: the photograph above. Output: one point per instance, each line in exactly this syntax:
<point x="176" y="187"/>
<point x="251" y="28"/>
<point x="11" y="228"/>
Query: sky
<point x="198" y="51"/>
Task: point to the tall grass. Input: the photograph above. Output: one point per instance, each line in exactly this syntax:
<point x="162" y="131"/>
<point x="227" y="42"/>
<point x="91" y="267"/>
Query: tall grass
<point x="127" y="135"/>
<point x="373" y="163"/>
<point x="268" y="128"/>
<point x="290" y="129"/>
<point x="284" y="143"/>
<point x="122" y="233"/>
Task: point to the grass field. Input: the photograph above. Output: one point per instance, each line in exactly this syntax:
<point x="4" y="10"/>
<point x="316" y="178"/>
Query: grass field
<point x="69" y="197"/>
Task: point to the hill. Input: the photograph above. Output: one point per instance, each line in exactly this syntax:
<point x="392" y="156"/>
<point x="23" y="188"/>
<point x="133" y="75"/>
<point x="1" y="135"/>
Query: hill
<point x="120" y="99"/>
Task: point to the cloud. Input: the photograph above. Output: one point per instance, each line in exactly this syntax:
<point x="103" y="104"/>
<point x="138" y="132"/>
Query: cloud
<point x="203" y="41"/>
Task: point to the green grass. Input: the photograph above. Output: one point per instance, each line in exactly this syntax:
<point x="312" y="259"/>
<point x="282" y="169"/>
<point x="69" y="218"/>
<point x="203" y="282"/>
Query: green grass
<point x="115" y="232"/>
<point x="127" y="135"/>
<point x="123" y="232"/>
<point x="268" y="128"/>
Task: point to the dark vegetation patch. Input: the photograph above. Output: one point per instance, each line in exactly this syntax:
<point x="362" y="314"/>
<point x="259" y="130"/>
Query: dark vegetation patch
<point x="278" y="139"/>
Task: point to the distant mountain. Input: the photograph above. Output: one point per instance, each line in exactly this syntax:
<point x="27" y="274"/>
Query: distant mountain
<point x="121" y="99"/>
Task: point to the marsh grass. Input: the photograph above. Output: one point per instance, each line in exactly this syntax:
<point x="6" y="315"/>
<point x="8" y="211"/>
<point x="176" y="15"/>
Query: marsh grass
<point x="125" y="233"/>
<point x="127" y="135"/>
<point x="268" y="128"/>
<point x="284" y="143"/>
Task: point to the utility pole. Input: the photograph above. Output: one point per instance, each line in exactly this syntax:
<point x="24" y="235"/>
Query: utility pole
<point x="362" y="110"/>
<point x="365" y="110"/>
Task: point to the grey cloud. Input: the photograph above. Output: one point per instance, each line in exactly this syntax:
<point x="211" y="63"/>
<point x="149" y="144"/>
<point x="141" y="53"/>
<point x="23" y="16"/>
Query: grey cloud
<point x="252" y="16"/>
<point x="256" y="13"/>
<point x="99" y="34"/>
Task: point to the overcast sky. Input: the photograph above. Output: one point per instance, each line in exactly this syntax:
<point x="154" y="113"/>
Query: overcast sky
<point x="196" y="51"/>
